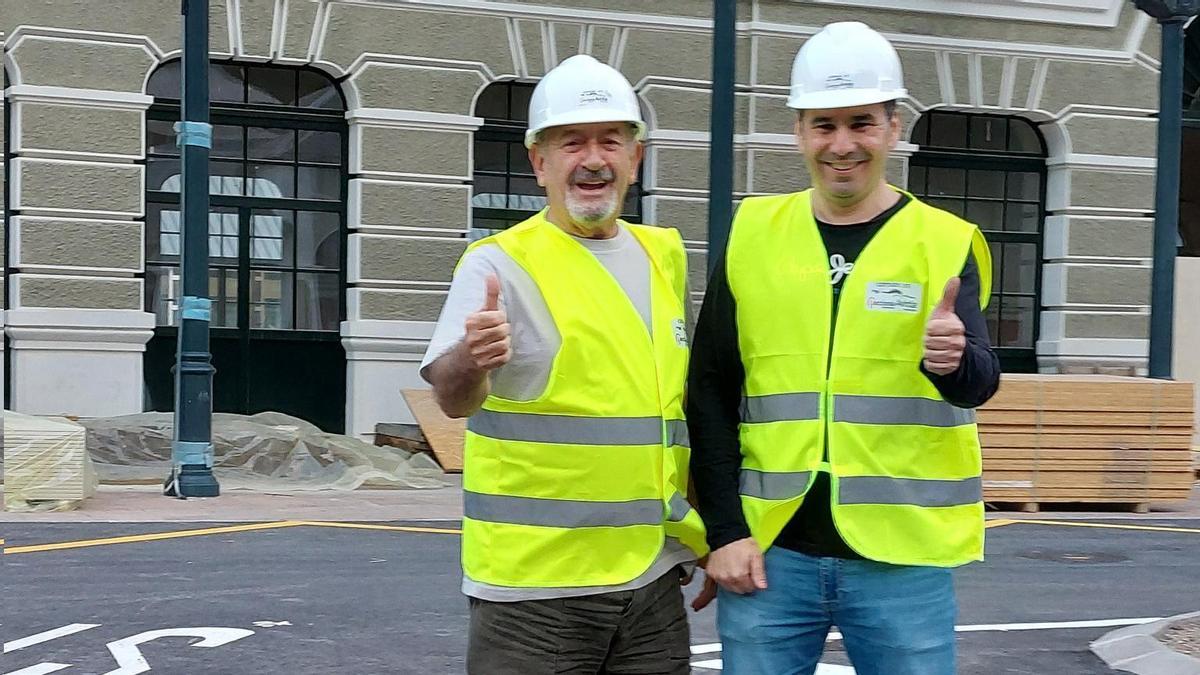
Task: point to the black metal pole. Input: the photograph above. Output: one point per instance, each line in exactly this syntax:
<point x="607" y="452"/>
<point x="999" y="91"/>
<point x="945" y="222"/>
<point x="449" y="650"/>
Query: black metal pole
<point x="1166" y="203"/>
<point x="192" y="452"/>
<point x="720" y="159"/>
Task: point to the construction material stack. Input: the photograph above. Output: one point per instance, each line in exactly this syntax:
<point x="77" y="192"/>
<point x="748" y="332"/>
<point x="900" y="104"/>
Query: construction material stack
<point x="1094" y="439"/>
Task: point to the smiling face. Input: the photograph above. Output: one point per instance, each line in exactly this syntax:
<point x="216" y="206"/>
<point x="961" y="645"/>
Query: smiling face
<point x="586" y="170"/>
<point x="846" y="149"/>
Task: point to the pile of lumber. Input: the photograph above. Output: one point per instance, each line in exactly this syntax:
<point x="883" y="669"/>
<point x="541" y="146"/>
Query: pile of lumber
<point x="434" y="434"/>
<point x="1087" y="439"/>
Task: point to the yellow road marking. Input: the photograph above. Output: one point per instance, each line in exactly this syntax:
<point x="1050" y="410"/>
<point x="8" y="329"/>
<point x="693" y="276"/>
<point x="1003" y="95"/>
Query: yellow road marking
<point x="1068" y="523"/>
<point x="157" y="536"/>
<point x="388" y="528"/>
<point x="999" y="522"/>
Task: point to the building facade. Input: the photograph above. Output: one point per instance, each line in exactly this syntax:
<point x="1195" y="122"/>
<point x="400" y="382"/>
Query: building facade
<point x="360" y="144"/>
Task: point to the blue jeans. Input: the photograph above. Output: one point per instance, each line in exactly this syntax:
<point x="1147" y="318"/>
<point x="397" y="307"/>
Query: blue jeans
<point x="894" y="620"/>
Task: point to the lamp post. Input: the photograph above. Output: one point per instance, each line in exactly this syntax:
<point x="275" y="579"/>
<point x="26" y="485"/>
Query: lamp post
<point x="192" y="450"/>
<point x="1172" y="15"/>
<point x="720" y="158"/>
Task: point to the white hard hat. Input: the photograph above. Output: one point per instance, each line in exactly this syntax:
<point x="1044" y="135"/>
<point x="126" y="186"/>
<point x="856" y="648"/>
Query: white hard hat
<point x="581" y="90"/>
<point x="845" y="65"/>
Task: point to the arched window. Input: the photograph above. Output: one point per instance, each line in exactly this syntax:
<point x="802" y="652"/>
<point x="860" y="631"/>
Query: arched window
<point x="991" y="170"/>
<point x="277" y="232"/>
<point x="505" y="189"/>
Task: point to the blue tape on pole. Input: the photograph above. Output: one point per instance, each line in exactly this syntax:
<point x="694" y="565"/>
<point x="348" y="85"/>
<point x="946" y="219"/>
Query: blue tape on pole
<point x="193" y="133"/>
<point x="192" y="452"/>
<point x="196" y="309"/>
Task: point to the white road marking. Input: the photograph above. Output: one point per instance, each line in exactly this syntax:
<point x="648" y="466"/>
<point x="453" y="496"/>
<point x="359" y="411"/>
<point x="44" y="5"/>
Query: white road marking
<point x="827" y="669"/>
<point x="131" y="662"/>
<point x="46" y="637"/>
<point x="272" y="624"/>
<point x="41" y="669"/>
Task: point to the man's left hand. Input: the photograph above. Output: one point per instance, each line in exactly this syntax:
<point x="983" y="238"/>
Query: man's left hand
<point x="945" y="335"/>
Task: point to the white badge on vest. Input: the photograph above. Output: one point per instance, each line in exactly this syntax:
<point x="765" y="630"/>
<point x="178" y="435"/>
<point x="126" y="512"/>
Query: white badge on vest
<point x="893" y="296"/>
<point x="680" y="328"/>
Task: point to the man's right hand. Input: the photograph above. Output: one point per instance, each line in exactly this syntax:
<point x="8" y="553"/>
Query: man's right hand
<point x="738" y="567"/>
<point x="488" y="343"/>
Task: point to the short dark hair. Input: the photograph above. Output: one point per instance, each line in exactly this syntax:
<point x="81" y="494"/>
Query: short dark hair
<point x="889" y="110"/>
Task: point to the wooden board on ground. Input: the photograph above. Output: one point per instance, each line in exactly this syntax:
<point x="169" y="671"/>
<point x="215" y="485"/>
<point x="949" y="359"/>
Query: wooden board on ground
<point x="444" y="435"/>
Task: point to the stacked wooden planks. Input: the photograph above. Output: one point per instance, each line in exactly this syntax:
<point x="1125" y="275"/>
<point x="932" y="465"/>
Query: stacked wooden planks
<point x="1087" y="438"/>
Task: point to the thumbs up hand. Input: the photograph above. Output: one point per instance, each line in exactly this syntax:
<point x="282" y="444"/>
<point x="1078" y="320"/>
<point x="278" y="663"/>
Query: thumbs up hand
<point x="488" y="341"/>
<point x="945" y="335"/>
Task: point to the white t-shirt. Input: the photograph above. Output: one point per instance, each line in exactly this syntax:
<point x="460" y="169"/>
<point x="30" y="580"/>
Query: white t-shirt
<point x="535" y="342"/>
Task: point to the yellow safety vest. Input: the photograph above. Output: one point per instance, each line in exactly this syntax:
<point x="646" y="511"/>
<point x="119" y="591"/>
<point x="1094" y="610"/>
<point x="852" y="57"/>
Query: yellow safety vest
<point x="579" y="486"/>
<point x="904" y="465"/>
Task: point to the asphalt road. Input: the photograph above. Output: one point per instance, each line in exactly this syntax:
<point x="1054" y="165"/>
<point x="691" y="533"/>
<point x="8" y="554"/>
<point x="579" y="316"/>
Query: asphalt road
<point x="341" y="600"/>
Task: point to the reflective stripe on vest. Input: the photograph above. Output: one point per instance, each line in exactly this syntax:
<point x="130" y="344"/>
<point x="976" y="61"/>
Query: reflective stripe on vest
<point x="899" y="410"/>
<point x="768" y="485"/>
<point x="536" y="428"/>
<point x="781" y="407"/>
<point x="677" y="433"/>
<point x="560" y="512"/>
<point x="911" y="491"/>
<point x="679" y="508"/>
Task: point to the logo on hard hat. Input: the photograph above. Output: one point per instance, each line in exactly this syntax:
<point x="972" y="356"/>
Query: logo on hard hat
<point x="594" y="97"/>
<point x="839" y="82"/>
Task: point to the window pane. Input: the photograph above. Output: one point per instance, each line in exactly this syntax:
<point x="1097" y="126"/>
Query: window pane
<point x="271" y="180"/>
<point x="1016" y="322"/>
<point x="947" y="182"/>
<point x="271" y="237"/>
<point x="1020" y="268"/>
<point x="162" y="293"/>
<point x="324" y="147"/>
<point x="317" y="91"/>
<point x="987" y="215"/>
<point x="318" y="239"/>
<point x="525" y="186"/>
<point x="227" y="142"/>
<point x="493" y="102"/>
<point x="519" y="107"/>
<point x="270" y="299"/>
<point x="225" y="83"/>
<point x="986" y="183"/>
<point x="1023" y="137"/>
<point x="632" y="206"/>
<point x="275" y="144"/>
<point x="948" y="131"/>
<point x="519" y="159"/>
<point x="222" y="289"/>
<point x="224" y="178"/>
<point x="223" y="230"/>
<point x="491" y="156"/>
<point x="954" y="206"/>
<point x="317" y="301"/>
<point x="275" y="86"/>
<point x="920" y="133"/>
<point x="916" y="179"/>
<point x="163" y="229"/>
<point x="988" y="133"/>
<point x="317" y="183"/>
<point x="993" y="320"/>
<point x="1022" y="218"/>
<point x="160" y="138"/>
<point x="1024" y="185"/>
<point x="166" y="82"/>
<point x="162" y="174"/>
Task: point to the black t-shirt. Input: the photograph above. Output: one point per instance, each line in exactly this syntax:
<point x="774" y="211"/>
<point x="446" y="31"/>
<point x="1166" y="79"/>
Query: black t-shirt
<point x="715" y="390"/>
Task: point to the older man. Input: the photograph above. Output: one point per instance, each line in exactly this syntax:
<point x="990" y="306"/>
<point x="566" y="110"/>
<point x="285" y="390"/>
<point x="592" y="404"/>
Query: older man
<point x="838" y="353"/>
<point x="563" y="340"/>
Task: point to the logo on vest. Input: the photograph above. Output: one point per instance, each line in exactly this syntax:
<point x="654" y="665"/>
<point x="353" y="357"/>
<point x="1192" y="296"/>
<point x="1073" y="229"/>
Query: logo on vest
<point x="680" y="328"/>
<point x="893" y="296"/>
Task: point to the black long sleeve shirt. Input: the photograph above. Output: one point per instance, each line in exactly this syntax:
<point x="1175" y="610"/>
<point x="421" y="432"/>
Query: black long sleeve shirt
<point x="715" y="385"/>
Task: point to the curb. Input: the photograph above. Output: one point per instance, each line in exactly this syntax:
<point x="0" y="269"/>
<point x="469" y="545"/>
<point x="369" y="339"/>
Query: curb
<point x="1135" y="649"/>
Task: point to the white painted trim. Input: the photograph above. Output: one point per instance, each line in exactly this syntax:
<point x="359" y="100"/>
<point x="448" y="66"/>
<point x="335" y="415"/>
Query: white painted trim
<point x="17" y="165"/>
<point x="316" y="41"/>
<point x="413" y="119"/>
<point x="83" y="36"/>
<point x="278" y="28"/>
<point x="90" y="98"/>
<point x="535" y="12"/>
<point x="1093" y="347"/>
<point x="370" y="59"/>
<point x="1113" y="163"/>
<point x="233" y="17"/>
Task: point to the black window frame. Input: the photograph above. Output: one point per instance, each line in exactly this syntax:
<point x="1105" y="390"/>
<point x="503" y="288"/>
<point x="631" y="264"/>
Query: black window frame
<point x="258" y="115"/>
<point x="970" y="158"/>
<point x="510" y="130"/>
